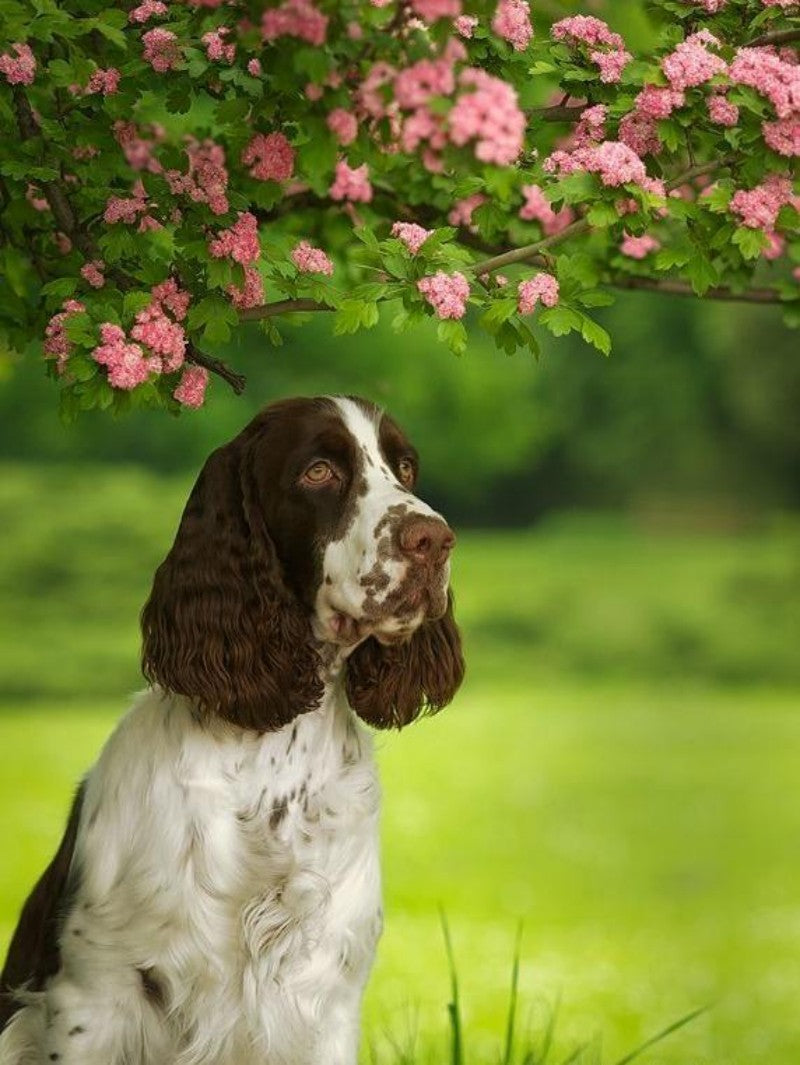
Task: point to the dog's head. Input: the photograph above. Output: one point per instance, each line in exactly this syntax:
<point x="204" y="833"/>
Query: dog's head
<point x="302" y="541"/>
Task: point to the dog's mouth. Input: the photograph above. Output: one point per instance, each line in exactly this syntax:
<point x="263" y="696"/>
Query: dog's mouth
<point x="389" y="627"/>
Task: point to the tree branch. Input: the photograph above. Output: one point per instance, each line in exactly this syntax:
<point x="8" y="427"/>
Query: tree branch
<point x="775" y="37"/>
<point x="269" y="310"/>
<point x="237" y="381"/>
<point x="558" y="113"/>
<point x="670" y="287"/>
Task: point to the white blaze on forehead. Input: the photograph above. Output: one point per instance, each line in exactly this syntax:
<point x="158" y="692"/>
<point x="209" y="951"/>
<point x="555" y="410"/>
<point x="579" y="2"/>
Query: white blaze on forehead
<point x="363" y="566"/>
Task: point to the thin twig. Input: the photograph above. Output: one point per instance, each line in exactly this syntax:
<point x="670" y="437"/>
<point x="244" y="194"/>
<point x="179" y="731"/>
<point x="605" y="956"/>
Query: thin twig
<point x="237" y="381"/>
<point x="670" y="287"/>
<point x="558" y="112"/>
<point x="269" y="310"/>
<point x="775" y="37"/>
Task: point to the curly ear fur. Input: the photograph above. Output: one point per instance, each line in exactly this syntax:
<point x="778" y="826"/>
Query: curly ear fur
<point x="220" y="625"/>
<point x="389" y="687"/>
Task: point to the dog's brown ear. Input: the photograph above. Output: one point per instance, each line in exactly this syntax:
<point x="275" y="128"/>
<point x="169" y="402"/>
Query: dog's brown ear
<point x="221" y="626"/>
<point x="389" y="687"/>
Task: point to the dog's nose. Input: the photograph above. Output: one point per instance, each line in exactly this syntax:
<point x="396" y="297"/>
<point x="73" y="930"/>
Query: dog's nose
<point x="427" y="540"/>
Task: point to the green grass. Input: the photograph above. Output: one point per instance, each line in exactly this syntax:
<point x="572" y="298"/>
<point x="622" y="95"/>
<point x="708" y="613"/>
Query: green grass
<point x="620" y="771"/>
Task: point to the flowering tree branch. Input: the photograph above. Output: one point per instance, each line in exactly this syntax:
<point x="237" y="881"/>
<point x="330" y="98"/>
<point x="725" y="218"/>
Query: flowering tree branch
<point x="175" y="169"/>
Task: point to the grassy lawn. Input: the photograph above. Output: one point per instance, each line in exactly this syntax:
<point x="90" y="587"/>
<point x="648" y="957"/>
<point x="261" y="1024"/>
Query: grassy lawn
<point x="620" y="771"/>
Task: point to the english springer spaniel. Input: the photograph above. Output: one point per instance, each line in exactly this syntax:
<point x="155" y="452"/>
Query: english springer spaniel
<point x="215" y="899"/>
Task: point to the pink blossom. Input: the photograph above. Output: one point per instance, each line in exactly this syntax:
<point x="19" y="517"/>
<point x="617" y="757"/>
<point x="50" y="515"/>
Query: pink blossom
<point x="758" y="207"/>
<point x="313" y="92"/>
<point x="446" y="293"/>
<point x="311" y="260"/>
<point x="783" y="135"/>
<point x="591" y="126"/>
<point x="126" y="209"/>
<point x="776" y="246"/>
<point x="240" y="242"/>
<point x="721" y="110"/>
<point x="461" y="213"/>
<point x="691" y="63"/>
<point x="776" y="78"/>
<point x="537" y="209"/>
<point x="162" y="336"/>
<point x="161" y="50"/>
<point x="657" y="102"/>
<point x="175" y="299"/>
<point x="351" y="183"/>
<point x="610" y="64"/>
<point x="489" y="115"/>
<point x="606" y="48"/>
<point x="343" y="124"/>
<point x="295" y="18"/>
<point x="431" y="10"/>
<point x="640" y="133"/>
<point x="412" y="235"/>
<point x="216" y="48"/>
<point x="779" y="3"/>
<point x="465" y="25"/>
<point x="254" y="68"/>
<point x="414" y="86"/>
<point x="206" y="180"/>
<point x="639" y="247"/>
<point x="541" y="287"/>
<point x="512" y="22"/>
<point x="147" y="10"/>
<point x="191" y="389"/>
<point x="20" y="70"/>
<point x="104" y="81"/>
<point x="251" y="294"/>
<point x="710" y="6"/>
<point x="137" y="149"/>
<point x="126" y="363"/>
<point x="93" y="273"/>
<point x="37" y="202"/>
<point x="56" y="343"/>
<point x="270" y="157"/>
<point x="615" y="162"/>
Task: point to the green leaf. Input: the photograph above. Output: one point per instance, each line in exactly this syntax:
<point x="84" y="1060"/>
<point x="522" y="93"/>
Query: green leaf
<point x="750" y="242"/>
<point x="701" y="273"/>
<point x="560" y="320"/>
<point x="602" y="215"/>
<point x="352" y="315"/>
<point x="215" y="316"/>
<point x="452" y="332"/>
<point x="594" y="334"/>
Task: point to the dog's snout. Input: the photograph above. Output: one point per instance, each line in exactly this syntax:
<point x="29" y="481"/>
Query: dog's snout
<point x="426" y="540"/>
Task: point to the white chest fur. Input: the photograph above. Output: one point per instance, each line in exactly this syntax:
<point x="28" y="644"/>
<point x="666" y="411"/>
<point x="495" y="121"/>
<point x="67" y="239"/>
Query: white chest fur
<point x="228" y="897"/>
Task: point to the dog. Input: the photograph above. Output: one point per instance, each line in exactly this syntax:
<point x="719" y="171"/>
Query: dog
<point x="216" y="899"/>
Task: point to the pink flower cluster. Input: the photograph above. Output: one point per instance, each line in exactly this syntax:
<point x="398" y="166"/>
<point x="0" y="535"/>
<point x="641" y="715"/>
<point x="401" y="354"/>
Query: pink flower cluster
<point x="217" y="50"/>
<point x="130" y="209"/>
<point x="138" y="149"/>
<point x="206" y="180"/>
<point x="770" y="75"/>
<point x="126" y="363"/>
<point x="606" y="48"/>
<point x="446" y="293"/>
<point x="270" y="157"/>
<point x="640" y="133"/>
<point x="344" y="125"/>
<point x="639" y="247"/>
<point x="414" y="86"/>
<point x="146" y="11"/>
<point x="654" y="101"/>
<point x="512" y="22"/>
<point x="615" y="162"/>
<point x="758" y="207"/>
<point x="191" y="389"/>
<point x="431" y="10"/>
<point x="19" y="69"/>
<point x="465" y="25"/>
<point x="250" y="293"/>
<point x="56" y="342"/>
<point x="691" y="63"/>
<point x="783" y="136"/>
<point x="104" y="81"/>
<point x="461" y="212"/>
<point x="412" y="235"/>
<point x="351" y="183"/>
<point x="161" y="50"/>
<point x="541" y="287"/>
<point x="93" y="273"/>
<point x="295" y="18"/>
<point x="490" y="116"/>
<point x="239" y="242"/>
<point x="537" y="209"/>
<point x="254" y="68"/>
<point x="311" y="260"/>
<point x="176" y="300"/>
<point x="165" y="338"/>
<point x="709" y="6"/>
<point x="721" y="111"/>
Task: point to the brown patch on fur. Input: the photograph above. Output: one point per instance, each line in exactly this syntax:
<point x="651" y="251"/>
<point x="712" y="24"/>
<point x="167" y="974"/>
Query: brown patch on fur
<point x="153" y="989"/>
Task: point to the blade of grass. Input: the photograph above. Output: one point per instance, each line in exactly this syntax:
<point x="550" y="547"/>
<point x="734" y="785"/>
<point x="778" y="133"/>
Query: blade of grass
<point x="512" y="1000"/>
<point x="657" y="1038"/>
<point x="575" y="1054"/>
<point x="547" y="1043"/>
<point x="454" y="1007"/>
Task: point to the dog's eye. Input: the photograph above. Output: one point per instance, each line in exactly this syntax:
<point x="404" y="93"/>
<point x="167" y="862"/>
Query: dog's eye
<point x="406" y="472"/>
<point x="319" y="473"/>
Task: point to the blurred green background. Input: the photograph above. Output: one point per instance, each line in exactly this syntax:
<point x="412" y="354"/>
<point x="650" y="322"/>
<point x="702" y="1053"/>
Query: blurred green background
<point x="620" y="770"/>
